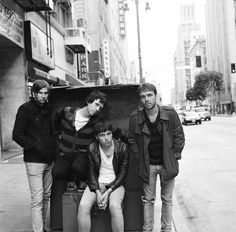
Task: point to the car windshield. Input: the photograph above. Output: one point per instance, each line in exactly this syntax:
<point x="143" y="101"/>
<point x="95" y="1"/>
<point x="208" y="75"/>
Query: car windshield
<point x="190" y="113"/>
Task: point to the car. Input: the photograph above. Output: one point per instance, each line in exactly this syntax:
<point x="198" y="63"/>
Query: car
<point x="204" y="113"/>
<point x="191" y="117"/>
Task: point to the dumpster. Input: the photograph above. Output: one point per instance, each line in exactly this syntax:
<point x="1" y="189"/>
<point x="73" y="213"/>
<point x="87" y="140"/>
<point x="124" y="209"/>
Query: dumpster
<point x="121" y="101"/>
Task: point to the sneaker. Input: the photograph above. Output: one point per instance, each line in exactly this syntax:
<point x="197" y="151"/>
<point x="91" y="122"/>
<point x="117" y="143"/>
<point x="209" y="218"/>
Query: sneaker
<point x="82" y="185"/>
<point x="71" y="186"/>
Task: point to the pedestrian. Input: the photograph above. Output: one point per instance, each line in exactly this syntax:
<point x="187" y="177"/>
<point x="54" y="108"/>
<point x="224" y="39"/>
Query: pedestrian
<point x="74" y="129"/>
<point x="108" y="163"/>
<point x="33" y="132"/>
<point x="156" y="140"/>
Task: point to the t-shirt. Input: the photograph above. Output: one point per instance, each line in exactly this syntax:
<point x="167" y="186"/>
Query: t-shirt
<point x="80" y="120"/>
<point x="106" y="173"/>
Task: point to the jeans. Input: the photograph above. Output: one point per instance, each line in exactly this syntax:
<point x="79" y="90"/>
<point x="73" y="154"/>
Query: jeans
<point x="40" y="182"/>
<point x="115" y="201"/>
<point x="149" y="200"/>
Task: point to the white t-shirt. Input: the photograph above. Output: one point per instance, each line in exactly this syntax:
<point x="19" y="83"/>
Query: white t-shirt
<point x="106" y="173"/>
<point x="80" y="120"/>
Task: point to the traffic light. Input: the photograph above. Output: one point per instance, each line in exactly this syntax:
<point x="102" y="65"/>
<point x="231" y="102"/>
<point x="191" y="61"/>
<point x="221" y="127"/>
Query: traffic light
<point x="233" y="70"/>
<point x="198" y="62"/>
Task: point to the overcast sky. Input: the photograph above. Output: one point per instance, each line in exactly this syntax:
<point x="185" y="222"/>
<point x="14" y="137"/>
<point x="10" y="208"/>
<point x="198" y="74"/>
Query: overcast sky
<point x="158" y="30"/>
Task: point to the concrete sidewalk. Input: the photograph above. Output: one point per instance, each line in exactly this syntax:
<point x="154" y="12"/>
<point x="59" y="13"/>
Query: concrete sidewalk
<point x="15" y="199"/>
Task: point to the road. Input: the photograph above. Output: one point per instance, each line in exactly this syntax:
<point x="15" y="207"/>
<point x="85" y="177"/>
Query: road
<point x="206" y="185"/>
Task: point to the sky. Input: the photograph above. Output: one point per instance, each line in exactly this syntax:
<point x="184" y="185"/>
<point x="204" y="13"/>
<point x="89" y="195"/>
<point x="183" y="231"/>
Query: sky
<point x="158" y="32"/>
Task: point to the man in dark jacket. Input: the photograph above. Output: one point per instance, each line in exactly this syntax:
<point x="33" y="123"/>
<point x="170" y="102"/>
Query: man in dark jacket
<point x="156" y="139"/>
<point x="74" y="128"/>
<point x="33" y="132"/>
<point x="108" y="162"/>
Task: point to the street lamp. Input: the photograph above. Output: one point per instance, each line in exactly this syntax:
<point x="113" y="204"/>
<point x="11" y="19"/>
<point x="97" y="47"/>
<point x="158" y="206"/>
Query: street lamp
<point x="142" y="79"/>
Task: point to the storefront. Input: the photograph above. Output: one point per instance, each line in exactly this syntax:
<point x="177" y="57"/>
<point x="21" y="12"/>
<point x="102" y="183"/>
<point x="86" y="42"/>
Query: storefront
<point x="12" y="69"/>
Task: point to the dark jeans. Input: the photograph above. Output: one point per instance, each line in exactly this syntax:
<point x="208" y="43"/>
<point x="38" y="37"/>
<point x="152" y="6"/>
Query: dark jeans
<point x="71" y="167"/>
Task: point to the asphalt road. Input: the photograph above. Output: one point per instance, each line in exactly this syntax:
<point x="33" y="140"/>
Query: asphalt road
<point x="206" y="185"/>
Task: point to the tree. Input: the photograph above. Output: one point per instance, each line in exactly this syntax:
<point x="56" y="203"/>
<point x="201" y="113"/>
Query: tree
<point x="208" y="83"/>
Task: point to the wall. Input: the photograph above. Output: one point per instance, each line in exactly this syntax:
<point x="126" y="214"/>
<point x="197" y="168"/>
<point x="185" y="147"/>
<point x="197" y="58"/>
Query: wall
<point x="12" y="92"/>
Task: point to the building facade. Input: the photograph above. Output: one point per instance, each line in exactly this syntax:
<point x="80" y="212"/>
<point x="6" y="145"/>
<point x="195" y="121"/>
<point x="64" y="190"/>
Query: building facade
<point x="221" y="48"/>
<point x="197" y="58"/>
<point x="188" y="30"/>
<point x="104" y="22"/>
<point x="32" y="46"/>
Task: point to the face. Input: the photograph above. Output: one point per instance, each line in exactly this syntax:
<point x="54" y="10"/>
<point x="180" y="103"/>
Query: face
<point x="94" y="107"/>
<point x="42" y="96"/>
<point x="105" y="138"/>
<point x="148" y="99"/>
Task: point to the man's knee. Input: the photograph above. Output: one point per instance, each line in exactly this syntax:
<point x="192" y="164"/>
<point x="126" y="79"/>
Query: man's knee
<point x="115" y="207"/>
<point x="167" y="199"/>
<point x="85" y="207"/>
<point x="147" y="200"/>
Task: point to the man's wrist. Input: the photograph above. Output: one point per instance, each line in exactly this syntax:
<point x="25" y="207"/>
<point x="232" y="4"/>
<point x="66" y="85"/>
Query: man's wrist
<point x="109" y="190"/>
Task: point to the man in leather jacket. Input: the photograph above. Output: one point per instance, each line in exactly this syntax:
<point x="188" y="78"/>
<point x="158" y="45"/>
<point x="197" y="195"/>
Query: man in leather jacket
<point x="108" y="163"/>
<point x="156" y="140"/>
<point x="33" y="132"/>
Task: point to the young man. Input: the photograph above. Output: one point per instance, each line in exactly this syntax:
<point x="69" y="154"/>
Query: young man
<point x="108" y="163"/>
<point x="74" y="128"/>
<point x="33" y="132"/>
<point x="156" y="139"/>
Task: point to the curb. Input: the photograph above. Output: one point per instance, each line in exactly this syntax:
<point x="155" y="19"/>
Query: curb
<point x="179" y="222"/>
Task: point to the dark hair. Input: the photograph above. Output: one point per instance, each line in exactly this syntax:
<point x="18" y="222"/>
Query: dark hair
<point x="103" y="126"/>
<point x="147" y="87"/>
<point x="38" y="85"/>
<point x="94" y="95"/>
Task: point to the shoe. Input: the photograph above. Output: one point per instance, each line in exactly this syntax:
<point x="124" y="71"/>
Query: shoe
<point x="82" y="185"/>
<point x="71" y="186"/>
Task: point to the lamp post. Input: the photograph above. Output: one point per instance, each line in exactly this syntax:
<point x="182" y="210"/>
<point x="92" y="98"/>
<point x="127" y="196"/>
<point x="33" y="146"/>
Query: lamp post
<point x="141" y="78"/>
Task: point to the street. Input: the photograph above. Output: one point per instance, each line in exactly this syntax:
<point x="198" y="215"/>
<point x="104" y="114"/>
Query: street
<point x="206" y="185"/>
<point x="205" y="188"/>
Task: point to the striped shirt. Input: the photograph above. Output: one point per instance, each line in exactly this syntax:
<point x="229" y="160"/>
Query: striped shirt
<point x="72" y="140"/>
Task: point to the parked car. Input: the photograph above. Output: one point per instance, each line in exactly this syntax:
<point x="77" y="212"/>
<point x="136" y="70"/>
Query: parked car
<point x="191" y="117"/>
<point x="203" y="112"/>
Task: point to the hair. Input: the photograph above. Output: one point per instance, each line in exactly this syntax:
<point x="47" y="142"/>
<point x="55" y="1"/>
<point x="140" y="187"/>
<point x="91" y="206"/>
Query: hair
<point x="94" y="95"/>
<point x="147" y="87"/>
<point x="103" y="126"/>
<point x="38" y="85"/>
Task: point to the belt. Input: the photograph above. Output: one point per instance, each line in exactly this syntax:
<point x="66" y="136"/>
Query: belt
<point x="61" y="153"/>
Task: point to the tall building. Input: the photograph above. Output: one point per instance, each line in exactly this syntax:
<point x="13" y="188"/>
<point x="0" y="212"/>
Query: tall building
<point x="221" y="47"/>
<point x="188" y="30"/>
<point x="104" y="22"/>
<point x="197" y="57"/>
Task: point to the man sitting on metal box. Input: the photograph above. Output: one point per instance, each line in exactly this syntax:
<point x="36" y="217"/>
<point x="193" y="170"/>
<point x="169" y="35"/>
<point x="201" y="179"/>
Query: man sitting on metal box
<point x="108" y="163"/>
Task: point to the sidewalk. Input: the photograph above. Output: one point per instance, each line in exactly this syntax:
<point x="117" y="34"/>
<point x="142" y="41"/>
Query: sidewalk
<point x="15" y="199"/>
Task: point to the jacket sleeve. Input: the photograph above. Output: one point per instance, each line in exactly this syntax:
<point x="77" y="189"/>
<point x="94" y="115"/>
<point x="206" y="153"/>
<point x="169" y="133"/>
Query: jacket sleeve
<point x="92" y="174"/>
<point x="133" y="141"/>
<point x="18" y="135"/>
<point x="123" y="168"/>
<point x="178" y="137"/>
<point x="57" y="127"/>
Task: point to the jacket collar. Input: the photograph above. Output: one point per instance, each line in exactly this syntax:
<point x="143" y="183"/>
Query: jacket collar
<point x="141" y="116"/>
<point x="116" y="146"/>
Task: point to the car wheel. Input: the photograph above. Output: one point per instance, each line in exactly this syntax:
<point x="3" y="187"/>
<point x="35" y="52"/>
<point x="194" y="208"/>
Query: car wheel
<point x="209" y="119"/>
<point x="200" y="122"/>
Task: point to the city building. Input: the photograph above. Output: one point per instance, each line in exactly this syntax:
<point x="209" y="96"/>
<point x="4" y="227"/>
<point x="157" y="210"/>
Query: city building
<point x="32" y="46"/>
<point x="221" y="48"/>
<point x="197" y="58"/>
<point x="104" y="22"/>
<point x="188" y="30"/>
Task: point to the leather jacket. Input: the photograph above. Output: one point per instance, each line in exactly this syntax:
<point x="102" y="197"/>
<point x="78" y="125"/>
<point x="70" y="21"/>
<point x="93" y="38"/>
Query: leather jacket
<point x="120" y="165"/>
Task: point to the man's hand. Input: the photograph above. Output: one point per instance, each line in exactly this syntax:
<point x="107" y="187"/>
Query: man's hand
<point x="99" y="199"/>
<point x="105" y="198"/>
